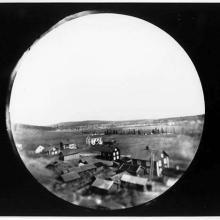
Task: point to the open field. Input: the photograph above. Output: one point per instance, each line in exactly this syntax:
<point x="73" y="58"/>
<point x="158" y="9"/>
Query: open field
<point x="181" y="148"/>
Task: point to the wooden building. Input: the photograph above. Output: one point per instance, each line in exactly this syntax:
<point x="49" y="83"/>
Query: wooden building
<point x="52" y="150"/>
<point x="69" y="154"/>
<point x="136" y="170"/>
<point x="103" y="186"/>
<point x="134" y="182"/>
<point x="82" y="169"/>
<point x="69" y="177"/>
<point x="153" y="161"/>
<point x="108" y="152"/>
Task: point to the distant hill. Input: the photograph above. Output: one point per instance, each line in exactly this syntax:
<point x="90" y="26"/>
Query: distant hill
<point x="106" y="124"/>
<point x="17" y="126"/>
<point x="79" y="123"/>
<point x="96" y="123"/>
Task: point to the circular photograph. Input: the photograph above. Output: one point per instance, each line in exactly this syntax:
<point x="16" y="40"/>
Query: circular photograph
<point x="106" y="110"/>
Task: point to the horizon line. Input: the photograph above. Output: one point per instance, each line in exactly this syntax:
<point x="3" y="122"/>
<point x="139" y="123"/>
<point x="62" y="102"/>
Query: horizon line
<point x="50" y="125"/>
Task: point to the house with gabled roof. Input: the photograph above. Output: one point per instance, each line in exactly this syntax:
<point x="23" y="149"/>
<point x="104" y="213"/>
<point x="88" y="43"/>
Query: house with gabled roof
<point x="154" y="161"/>
<point x="108" y="152"/>
<point x="52" y="150"/>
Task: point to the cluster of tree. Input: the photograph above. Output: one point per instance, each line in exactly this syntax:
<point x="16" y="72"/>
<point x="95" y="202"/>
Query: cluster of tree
<point x="134" y="131"/>
<point x="138" y="131"/>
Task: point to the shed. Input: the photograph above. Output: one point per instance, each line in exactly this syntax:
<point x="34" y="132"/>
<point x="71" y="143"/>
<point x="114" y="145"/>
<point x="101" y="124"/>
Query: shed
<point x="102" y="186"/>
<point x="99" y="166"/>
<point x="134" y="182"/>
<point x="117" y="178"/>
<point x="82" y="169"/>
<point x="71" y="176"/>
<point x="136" y="170"/>
<point x="68" y="154"/>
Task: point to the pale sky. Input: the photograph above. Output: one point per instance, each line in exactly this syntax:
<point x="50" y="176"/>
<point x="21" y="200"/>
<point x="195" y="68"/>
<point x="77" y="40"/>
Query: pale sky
<point x="104" y="67"/>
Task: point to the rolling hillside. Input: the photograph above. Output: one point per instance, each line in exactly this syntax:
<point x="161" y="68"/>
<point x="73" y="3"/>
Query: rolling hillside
<point x="106" y="124"/>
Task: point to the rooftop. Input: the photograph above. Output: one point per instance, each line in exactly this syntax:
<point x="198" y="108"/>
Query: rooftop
<point x="99" y="164"/>
<point x="102" y="184"/>
<point x="83" y="168"/>
<point x="134" y="179"/>
<point x="67" y="152"/>
<point x="133" y="169"/>
<point x="124" y="166"/>
<point x="67" y="177"/>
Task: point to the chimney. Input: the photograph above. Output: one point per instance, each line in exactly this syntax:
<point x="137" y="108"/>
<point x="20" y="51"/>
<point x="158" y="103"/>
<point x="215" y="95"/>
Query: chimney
<point x="147" y="147"/>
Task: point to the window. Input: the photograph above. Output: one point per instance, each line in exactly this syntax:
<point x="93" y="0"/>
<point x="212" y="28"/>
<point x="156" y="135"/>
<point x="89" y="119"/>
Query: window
<point x="117" y="157"/>
<point x="159" y="163"/>
<point x="117" y="153"/>
<point x="115" y="149"/>
<point x="162" y="155"/>
<point x="114" y="158"/>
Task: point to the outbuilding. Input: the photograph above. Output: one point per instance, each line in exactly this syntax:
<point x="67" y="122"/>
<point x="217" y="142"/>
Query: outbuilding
<point x="134" y="182"/>
<point x="69" y="154"/>
<point x="86" y="168"/>
<point x="69" y="177"/>
<point x="103" y="186"/>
